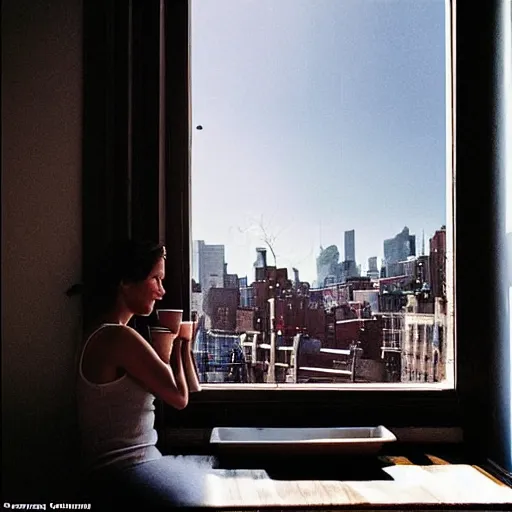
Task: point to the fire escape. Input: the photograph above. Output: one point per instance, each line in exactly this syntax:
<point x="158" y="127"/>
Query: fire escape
<point x="391" y="349"/>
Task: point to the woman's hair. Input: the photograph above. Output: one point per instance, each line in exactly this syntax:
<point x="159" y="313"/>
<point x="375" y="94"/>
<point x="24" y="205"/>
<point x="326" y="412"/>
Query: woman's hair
<point x="127" y="261"/>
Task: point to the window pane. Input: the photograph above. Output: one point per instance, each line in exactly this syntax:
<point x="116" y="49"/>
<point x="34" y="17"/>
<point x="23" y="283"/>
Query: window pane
<point x="321" y="218"/>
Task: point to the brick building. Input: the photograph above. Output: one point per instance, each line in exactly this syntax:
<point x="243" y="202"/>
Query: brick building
<point x="438" y="263"/>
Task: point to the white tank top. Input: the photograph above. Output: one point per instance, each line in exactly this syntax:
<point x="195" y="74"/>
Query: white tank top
<point x="116" y="420"/>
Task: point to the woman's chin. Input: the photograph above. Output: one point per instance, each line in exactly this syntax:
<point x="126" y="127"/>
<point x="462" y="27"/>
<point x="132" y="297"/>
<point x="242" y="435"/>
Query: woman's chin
<point x="148" y="310"/>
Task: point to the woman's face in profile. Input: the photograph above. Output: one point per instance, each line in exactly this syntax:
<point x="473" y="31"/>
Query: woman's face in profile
<point x="140" y="296"/>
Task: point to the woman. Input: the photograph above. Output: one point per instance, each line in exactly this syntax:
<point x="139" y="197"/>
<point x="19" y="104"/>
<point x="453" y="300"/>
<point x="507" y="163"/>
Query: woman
<point x="119" y="376"/>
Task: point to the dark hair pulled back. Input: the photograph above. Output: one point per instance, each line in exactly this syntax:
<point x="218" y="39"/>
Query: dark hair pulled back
<point x="126" y="261"/>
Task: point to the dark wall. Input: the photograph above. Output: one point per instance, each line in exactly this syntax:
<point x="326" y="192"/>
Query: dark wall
<point x="41" y="243"/>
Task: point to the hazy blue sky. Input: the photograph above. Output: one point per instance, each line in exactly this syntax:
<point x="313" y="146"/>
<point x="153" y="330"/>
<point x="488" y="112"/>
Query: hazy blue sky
<point x="318" y="116"/>
<point x="508" y="87"/>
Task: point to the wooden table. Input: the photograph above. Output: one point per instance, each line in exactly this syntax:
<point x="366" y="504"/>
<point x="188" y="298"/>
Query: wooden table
<point x="436" y="484"/>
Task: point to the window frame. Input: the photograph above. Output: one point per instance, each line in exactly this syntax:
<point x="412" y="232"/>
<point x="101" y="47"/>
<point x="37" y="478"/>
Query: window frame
<point x="119" y="184"/>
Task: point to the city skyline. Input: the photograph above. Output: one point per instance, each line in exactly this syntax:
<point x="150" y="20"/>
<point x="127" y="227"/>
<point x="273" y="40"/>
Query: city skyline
<point x="249" y="274"/>
<point x="359" y="330"/>
<point x="317" y="117"/>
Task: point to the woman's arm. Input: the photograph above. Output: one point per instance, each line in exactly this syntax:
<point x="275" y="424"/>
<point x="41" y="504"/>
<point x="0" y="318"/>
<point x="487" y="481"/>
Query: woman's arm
<point x="178" y="368"/>
<point x="128" y="349"/>
<point x="167" y="343"/>
<point x="190" y="367"/>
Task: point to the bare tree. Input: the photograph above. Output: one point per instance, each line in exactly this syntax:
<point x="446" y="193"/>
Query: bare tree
<point x="270" y="237"/>
<point x="264" y="234"/>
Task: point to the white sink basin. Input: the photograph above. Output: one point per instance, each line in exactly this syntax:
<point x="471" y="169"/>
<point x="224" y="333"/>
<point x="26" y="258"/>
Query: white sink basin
<point x="347" y="440"/>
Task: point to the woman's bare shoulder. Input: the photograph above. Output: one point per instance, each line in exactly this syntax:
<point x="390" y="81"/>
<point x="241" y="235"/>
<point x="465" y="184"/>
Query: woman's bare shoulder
<point x="111" y="335"/>
<point x="120" y="333"/>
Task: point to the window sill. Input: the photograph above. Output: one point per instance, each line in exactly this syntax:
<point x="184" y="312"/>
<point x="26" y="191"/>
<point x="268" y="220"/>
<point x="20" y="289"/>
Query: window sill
<point x="358" y="387"/>
<point x="396" y="407"/>
<point x="332" y="394"/>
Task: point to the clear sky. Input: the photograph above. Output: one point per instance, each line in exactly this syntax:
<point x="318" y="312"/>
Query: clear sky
<point x="508" y="130"/>
<point x="318" y="116"/>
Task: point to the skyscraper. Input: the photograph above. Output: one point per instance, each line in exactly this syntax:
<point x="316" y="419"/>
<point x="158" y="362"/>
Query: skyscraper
<point x="398" y="249"/>
<point x="350" y="245"/>
<point x="372" y="264"/>
<point x="373" y="271"/>
<point x="210" y="265"/>
<point x="326" y="264"/>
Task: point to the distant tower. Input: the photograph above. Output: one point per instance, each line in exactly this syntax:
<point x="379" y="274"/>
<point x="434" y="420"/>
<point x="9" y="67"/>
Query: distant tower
<point x="398" y="249"/>
<point x="350" y="245"/>
<point x="296" y="279"/>
<point x="423" y="242"/>
<point x="209" y="265"/>
<point x="373" y="269"/>
<point x="326" y="263"/>
<point x="261" y="258"/>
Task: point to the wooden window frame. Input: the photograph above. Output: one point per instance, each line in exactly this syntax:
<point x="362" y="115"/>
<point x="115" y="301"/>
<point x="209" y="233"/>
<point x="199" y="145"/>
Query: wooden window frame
<point x="137" y="143"/>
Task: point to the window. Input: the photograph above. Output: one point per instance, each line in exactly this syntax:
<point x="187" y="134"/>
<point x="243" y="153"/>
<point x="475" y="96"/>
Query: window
<point x="136" y="180"/>
<point x="321" y="185"/>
